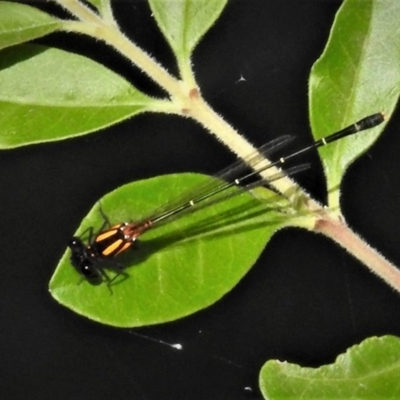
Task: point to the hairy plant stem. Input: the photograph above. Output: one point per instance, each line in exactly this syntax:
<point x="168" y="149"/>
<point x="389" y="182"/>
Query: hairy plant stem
<point x="341" y="233"/>
<point x="186" y="100"/>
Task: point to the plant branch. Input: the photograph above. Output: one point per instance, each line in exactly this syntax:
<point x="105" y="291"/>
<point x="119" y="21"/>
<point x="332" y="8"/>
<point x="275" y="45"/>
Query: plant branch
<point x="341" y="233"/>
<point x="185" y="95"/>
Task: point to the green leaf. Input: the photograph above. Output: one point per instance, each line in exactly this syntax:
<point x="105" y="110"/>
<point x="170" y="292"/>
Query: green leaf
<point x="358" y="74"/>
<point x="370" y="370"/>
<point x="184" y="22"/>
<point x="49" y="94"/>
<point x="20" y="23"/>
<point x="177" y="268"/>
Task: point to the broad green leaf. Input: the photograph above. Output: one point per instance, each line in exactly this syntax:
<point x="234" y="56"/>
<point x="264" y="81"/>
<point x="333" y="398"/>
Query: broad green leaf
<point x="48" y="94"/>
<point x="370" y="370"/>
<point x="177" y="268"/>
<point x="20" y="23"/>
<point x="184" y="22"/>
<point x="358" y="74"/>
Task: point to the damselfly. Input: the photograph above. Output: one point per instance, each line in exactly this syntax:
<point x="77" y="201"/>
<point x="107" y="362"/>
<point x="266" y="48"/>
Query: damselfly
<point x="110" y="241"/>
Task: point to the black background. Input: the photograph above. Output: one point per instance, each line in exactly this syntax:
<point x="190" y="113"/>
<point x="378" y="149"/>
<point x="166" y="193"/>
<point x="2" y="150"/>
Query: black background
<point x="304" y="301"/>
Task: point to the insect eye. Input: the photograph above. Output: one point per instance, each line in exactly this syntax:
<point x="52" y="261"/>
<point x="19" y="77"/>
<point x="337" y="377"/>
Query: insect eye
<point x="89" y="272"/>
<point x="75" y="244"/>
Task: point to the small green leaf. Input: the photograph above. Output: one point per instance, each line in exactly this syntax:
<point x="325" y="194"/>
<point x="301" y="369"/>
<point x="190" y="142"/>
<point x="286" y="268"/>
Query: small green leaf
<point x="184" y="22"/>
<point x="370" y="370"/>
<point x="177" y="268"/>
<point x="358" y="74"/>
<point x="20" y="23"/>
<point x="49" y="94"/>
